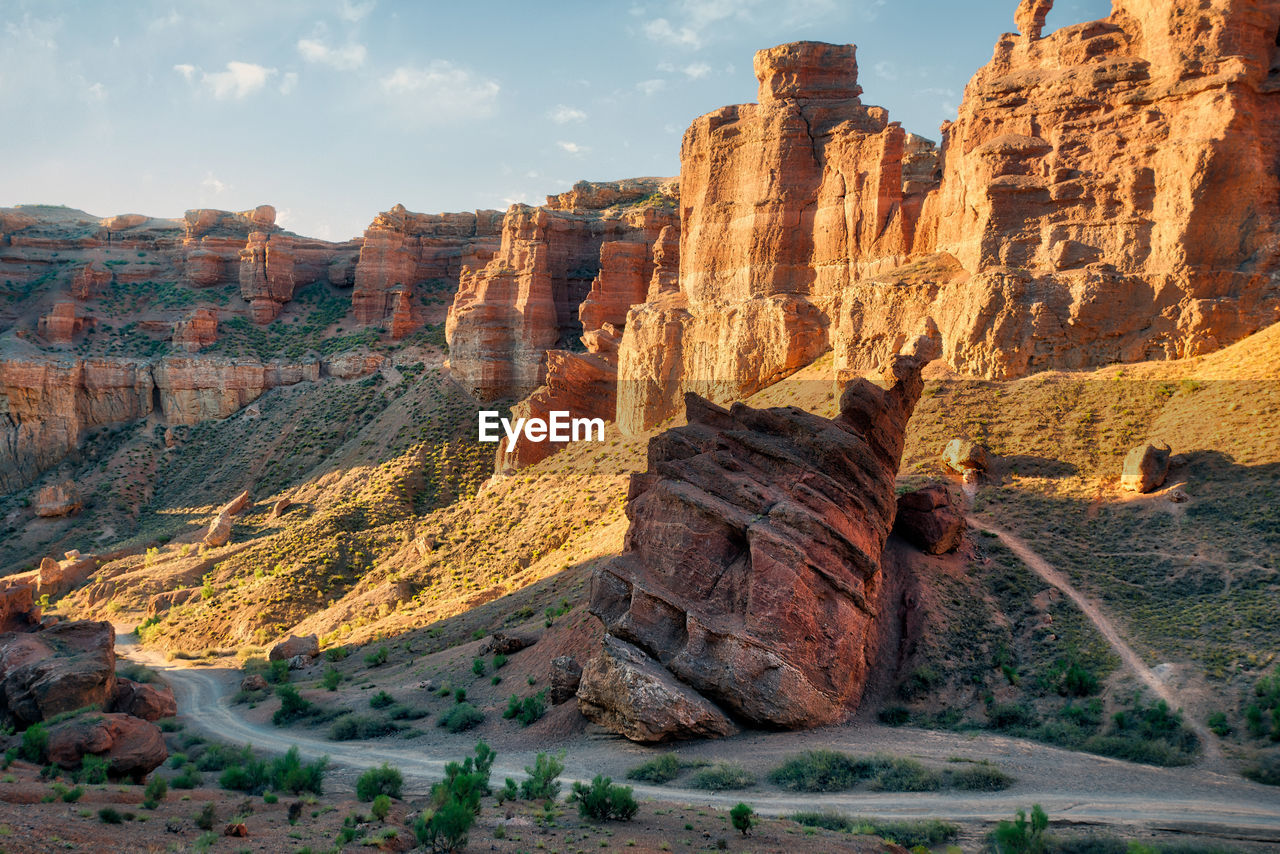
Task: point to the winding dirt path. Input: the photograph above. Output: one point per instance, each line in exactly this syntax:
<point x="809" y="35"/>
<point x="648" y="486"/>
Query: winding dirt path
<point x="1132" y="661"/>
<point x="1075" y="788"/>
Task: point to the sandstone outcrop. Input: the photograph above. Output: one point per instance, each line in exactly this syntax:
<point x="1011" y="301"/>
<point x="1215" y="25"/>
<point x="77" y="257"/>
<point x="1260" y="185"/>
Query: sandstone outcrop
<point x="404" y="251"/>
<point x="219" y="533"/>
<point x="90" y="281"/>
<point x="929" y="519"/>
<point x="65" y="667"/>
<point x="566" y="676"/>
<point x="57" y="499"/>
<point x="291" y="647"/>
<point x="966" y="458"/>
<point x="131" y="746"/>
<point x="18" y="609"/>
<point x="1145" y="468"/>
<point x="752" y="564"/>
<point x="197" y="331"/>
<point x="62" y="324"/>
<point x="149" y="701"/>
<point x="266" y="274"/>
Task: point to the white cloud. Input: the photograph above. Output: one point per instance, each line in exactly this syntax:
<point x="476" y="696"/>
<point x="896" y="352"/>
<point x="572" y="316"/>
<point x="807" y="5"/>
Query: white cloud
<point x="885" y="70"/>
<point x="564" y="114"/>
<point x="661" y="30"/>
<point x="572" y="147"/>
<point x="186" y="70"/>
<point x="651" y="87"/>
<point x="442" y="90"/>
<point x="345" y="58"/>
<point x="163" y="23"/>
<point x="288" y="83"/>
<point x="355" y="12"/>
<point x="240" y="80"/>
<point x="212" y="185"/>
<point x="696" y="70"/>
<point x="97" y="92"/>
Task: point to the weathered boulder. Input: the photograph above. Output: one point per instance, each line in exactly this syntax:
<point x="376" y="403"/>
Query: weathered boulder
<point x="254" y="682"/>
<point x="236" y="505"/>
<point x="219" y="533"/>
<point x="132" y="747"/>
<point x="628" y="692"/>
<point x="966" y="458"/>
<point x="300" y="662"/>
<point x="149" y="701"/>
<point x="198" y="330"/>
<point x="929" y="519"/>
<point x="58" y="499"/>
<point x="278" y="509"/>
<point x="1145" y="468"/>
<point x="292" y="646"/>
<point x="161" y="602"/>
<point x="566" y="676"/>
<point x="57" y="577"/>
<point x="65" y="667"/>
<point x="506" y="643"/>
<point x="62" y="324"/>
<point x="752" y="564"/>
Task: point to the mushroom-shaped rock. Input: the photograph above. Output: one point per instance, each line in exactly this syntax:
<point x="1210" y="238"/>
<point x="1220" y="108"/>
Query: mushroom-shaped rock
<point x="967" y="458"/>
<point x="1145" y="468"/>
<point x="628" y="692"/>
<point x="929" y="519"/>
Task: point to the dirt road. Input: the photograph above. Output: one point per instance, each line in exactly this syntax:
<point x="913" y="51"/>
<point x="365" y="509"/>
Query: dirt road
<point x="1132" y="661"/>
<point x="1074" y="787"/>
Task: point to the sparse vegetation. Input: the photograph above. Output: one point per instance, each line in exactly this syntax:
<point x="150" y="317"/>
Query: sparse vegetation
<point x="603" y="800"/>
<point x="383" y="780"/>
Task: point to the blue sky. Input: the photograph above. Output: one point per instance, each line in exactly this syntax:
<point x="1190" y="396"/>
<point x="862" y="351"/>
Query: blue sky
<point x="333" y="110"/>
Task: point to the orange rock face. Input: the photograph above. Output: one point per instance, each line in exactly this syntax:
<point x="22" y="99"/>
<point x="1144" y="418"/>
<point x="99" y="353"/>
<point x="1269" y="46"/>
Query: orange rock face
<point x="403" y="250"/>
<point x="199" y="330"/>
<point x="90" y="281"/>
<point x="266" y="274"/>
<point x="63" y="324"/>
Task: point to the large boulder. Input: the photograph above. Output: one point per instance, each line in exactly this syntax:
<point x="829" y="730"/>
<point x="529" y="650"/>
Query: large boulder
<point x="752" y="564"/>
<point x="219" y="533"/>
<point x="58" y="499"/>
<point x="18" y="609"/>
<point x="293" y="646"/>
<point x="929" y="519"/>
<point x="966" y="458"/>
<point x="628" y="692"/>
<point x="507" y="643"/>
<point x="65" y="667"/>
<point x="1145" y="468"/>
<point x="132" y="747"/>
<point x="566" y="676"/>
<point x="148" y="701"/>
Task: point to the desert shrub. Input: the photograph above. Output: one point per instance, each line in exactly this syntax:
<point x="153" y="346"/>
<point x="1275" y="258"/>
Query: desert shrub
<point x="1218" y="724"/>
<point x="284" y="774"/>
<point x="277" y="672"/>
<point x="444" y="829"/>
<point x="1153" y="734"/>
<point x="455" y="800"/>
<point x="499" y="661"/>
<point x="978" y="777"/>
<point x="460" y="695"/>
<point x="1266" y="770"/>
<point x="156" y="791"/>
<point x="216" y="757"/>
<point x="604" y="801"/>
<point x="927" y="832"/>
<point x="352" y="727"/>
<point x="528" y="710"/>
<point x="660" y="769"/>
<point x="377" y="658"/>
<point x="1021" y="836"/>
<point x="35" y="743"/>
<point x="820" y="771"/>
<point x="292" y="706"/>
<point x="336" y="653"/>
<point x="461" y="717"/>
<point x="381" y="700"/>
<point x="68" y="795"/>
<point x="190" y="778"/>
<point x="110" y="815"/>
<point x="906" y="775"/>
<point x="93" y="770"/>
<point x="894" y="715"/>
<point x="1008" y="716"/>
<point x="543" y="782"/>
<point x="332" y="678"/>
<point x="742" y="817"/>
<point x="402" y="712"/>
<point x="477" y="667"/>
<point x="381" y="807"/>
<point x="383" y="780"/>
<point x="722" y="777"/>
<point x="207" y="816"/>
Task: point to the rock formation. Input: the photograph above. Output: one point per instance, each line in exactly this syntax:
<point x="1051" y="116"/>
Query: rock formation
<point x="403" y="250"/>
<point x="752" y="564"/>
<point x="62" y="324"/>
<point x="196" y="331"/>
<point x="151" y="702"/>
<point x="131" y="746"/>
<point x="65" y="667"/>
<point x="929" y="519"/>
<point x="1145" y="468"/>
<point x="57" y="499"/>
<point x="966" y="458"/>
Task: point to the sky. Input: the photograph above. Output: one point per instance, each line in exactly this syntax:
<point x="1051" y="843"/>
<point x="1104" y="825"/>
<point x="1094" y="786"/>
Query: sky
<point x="334" y="110"/>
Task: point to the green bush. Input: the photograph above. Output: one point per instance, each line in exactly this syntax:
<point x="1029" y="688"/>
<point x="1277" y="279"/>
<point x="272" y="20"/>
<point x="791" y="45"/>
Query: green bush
<point x="604" y="801"/>
<point x="207" y="816"/>
<point x="93" y="770"/>
<point x="444" y="829"/>
<point x="35" y="743"/>
<point x="381" y="700"/>
<point x="383" y="780"/>
<point x="1218" y="724"/>
<point x="352" y="727"/>
<point x="455" y="801"/>
<point x="906" y="775"/>
<point x="156" y="791"/>
<point x="336" y="653"/>
<point x="292" y="706"/>
<point x="820" y="771"/>
<point x="742" y="817"/>
<point x="190" y="778"/>
<point x="660" y="769"/>
<point x="722" y="777"/>
<point x="543" y="782"/>
<point x="894" y="715"/>
<point x="528" y="710"/>
<point x="1266" y="770"/>
<point x="381" y="807"/>
<point x="477" y="667"/>
<point x="110" y="815"/>
<point x="1021" y="836"/>
<point x="461" y="717"/>
<point x="909" y="834"/>
<point x="284" y="774"/>
<point x="978" y="777"/>
<point x="377" y="658"/>
<point x="499" y="661"/>
<point x="332" y="678"/>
